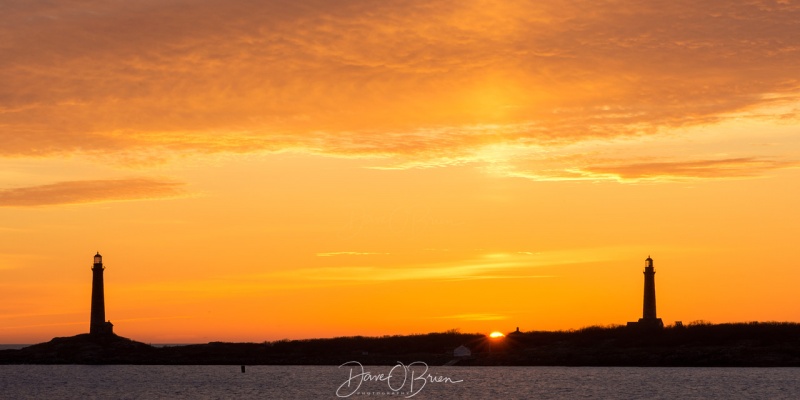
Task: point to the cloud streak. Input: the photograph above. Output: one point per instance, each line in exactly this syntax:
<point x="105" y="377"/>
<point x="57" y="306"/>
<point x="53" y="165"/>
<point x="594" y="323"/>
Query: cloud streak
<point x="664" y="171"/>
<point x="426" y="83"/>
<point x="90" y="191"/>
<point x="489" y="266"/>
<point x="702" y="169"/>
<point x="348" y="253"/>
<point x="477" y="317"/>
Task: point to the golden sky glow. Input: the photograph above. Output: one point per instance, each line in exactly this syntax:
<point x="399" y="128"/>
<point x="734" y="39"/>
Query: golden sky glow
<point x="288" y="169"/>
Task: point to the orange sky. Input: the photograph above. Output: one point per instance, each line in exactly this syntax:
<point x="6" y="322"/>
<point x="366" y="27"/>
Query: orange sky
<point x="254" y="171"/>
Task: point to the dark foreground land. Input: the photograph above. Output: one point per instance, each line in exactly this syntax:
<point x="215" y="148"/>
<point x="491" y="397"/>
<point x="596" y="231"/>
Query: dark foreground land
<point x="740" y="345"/>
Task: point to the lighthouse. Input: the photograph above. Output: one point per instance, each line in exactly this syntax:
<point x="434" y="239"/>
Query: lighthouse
<point x="649" y="309"/>
<point x="649" y="318"/>
<point x="98" y="324"/>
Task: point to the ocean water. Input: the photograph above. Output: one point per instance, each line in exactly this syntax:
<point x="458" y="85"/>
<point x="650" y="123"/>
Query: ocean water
<point x="322" y="382"/>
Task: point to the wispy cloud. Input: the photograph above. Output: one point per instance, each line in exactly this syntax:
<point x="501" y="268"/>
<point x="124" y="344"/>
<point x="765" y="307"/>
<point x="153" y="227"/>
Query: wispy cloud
<point x="636" y="170"/>
<point x="426" y="82"/>
<point x="680" y="170"/>
<point x="475" y="271"/>
<point x="348" y="253"/>
<point x="153" y="318"/>
<point x="490" y="266"/>
<point x="90" y="191"/>
<point x="9" y="327"/>
<point x="477" y="317"/>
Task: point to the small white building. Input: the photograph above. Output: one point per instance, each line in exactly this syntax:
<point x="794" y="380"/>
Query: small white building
<point x="462" y="351"/>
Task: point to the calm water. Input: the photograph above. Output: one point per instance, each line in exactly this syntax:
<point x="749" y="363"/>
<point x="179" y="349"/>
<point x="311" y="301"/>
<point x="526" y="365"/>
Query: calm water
<point x="321" y="382"/>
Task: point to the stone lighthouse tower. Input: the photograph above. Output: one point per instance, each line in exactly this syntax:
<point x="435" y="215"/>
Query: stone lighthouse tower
<point x="649" y="311"/>
<point x="649" y="318"/>
<point x="98" y="324"/>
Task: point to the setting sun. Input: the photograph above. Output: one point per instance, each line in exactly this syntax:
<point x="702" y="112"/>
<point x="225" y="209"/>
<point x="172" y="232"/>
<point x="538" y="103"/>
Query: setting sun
<point x="495" y="335"/>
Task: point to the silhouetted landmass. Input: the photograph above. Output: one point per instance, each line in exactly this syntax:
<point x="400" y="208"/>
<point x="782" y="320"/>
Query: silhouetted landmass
<point x="80" y="349"/>
<point x="742" y="344"/>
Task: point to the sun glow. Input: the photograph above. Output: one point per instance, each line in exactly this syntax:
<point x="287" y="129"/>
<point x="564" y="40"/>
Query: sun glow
<point x="496" y="335"/>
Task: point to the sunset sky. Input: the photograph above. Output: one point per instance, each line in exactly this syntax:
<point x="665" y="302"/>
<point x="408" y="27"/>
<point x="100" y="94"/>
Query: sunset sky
<point x="260" y="170"/>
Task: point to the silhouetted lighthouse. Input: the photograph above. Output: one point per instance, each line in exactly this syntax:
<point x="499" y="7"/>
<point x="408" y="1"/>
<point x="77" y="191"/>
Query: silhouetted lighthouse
<point x="98" y="324"/>
<point x="649" y="318"/>
<point x="649" y="309"/>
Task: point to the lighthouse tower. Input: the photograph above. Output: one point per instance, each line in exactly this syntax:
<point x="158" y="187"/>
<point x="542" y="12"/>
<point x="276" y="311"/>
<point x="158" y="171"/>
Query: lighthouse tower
<point x="649" y="311"/>
<point x="98" y="324"/>
<point x="649" y="319"/>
